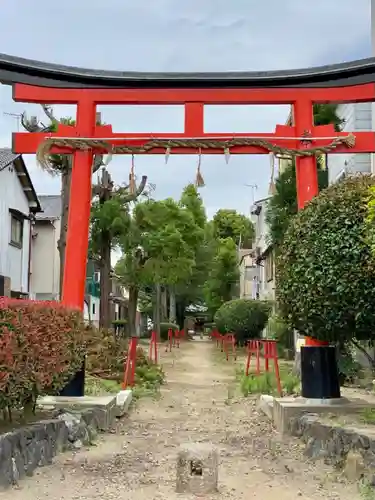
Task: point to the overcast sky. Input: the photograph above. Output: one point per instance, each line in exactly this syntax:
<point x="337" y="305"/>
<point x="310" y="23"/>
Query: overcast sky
<point x="171" y="35"/>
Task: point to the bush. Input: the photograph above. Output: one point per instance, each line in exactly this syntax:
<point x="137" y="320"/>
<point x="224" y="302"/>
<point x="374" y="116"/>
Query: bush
<point x="164" y="327"/>
<point x="42" y="345"/>
<point x="325" y="268"/>
<point x="245" y="318"/>
<point x="105" y="353"/>
<point x="348" y="367"/>
<point x="120" y="327"/>
<point x="278" y="329"/>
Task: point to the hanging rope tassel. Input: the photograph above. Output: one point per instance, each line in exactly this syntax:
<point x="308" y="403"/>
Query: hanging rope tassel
<point x="272" y="187"/>
<point x="132" y="186"/>
<point x="199" y="181"/>
<point x="227" y="155"/>
<point x="167" y="154"/>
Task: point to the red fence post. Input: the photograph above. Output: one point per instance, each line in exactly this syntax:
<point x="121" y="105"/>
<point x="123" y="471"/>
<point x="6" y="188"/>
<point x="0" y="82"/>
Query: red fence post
<point x="129" y="373"/>
<point x="169" y="341"/>
<point x="269" y="352"/>
<point x="253" y="347"/>
<point x="230" y="340"/>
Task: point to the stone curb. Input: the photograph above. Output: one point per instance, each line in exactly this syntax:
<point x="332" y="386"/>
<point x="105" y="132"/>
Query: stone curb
<point x="349" y="448"/>
<point x="27" y="448"/>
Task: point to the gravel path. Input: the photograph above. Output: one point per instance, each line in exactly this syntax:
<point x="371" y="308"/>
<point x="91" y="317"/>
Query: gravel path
<point x="138" y="460"/>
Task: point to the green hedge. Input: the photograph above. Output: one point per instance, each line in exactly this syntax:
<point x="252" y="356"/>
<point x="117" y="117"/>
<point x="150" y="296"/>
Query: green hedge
<point x="164" y="327"/>
<point x="244" y="318"/>
<point x="326" y="269"/>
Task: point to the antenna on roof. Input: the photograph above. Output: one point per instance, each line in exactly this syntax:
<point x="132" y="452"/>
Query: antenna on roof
<point x="17" y="116"/>
<point x="254" y="188"/>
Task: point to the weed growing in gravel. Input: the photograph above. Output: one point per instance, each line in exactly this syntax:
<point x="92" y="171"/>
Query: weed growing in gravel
<point x="366" y="490"/>
<point x="368" y="416"/>
<point x="265" y="383"/>
<point x="96" y="386"/>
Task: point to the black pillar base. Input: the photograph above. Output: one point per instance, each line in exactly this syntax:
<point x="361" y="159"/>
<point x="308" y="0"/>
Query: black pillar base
<point x="76" y="386"/>
<point x="319" y="373"/>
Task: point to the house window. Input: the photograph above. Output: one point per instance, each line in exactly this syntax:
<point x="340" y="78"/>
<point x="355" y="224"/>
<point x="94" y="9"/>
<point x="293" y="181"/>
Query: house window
<point x="16" y="230"/>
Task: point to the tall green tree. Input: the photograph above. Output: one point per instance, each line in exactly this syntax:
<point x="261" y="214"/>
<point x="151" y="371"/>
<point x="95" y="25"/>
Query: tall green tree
<point x="110" y="223"/>
<point x="228" y="223"/>
<point x="189" y="291"/>
<point x="158" y="250"/>
<point x="223" y="276"/>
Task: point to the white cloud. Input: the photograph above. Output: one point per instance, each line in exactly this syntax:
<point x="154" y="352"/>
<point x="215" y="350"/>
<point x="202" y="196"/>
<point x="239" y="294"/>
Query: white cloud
<point x="165" y="35"/>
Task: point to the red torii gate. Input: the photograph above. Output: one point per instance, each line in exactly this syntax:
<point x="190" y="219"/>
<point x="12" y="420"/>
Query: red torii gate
<point x="302" y="100"/>
<point x="36" y="82"/>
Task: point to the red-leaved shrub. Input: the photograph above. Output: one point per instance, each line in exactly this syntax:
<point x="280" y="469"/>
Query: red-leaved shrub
<point x="42" y="344"/>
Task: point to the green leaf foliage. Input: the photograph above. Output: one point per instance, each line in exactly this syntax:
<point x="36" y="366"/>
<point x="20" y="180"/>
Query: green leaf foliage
<point x="230" y="224"/>
<point x="109" y="221"/>
<point x="325" y="267"/>
<point x="168" y="235"/>
<point x="223" y="275"/>
<point x="244" y="318"/>
<point x="165" y="327"/>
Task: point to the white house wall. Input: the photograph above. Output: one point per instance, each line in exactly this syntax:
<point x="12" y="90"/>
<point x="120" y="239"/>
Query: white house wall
<point x="358" y="117"/>
<point x="13" y="261"/>
<point x="45" y="270"/>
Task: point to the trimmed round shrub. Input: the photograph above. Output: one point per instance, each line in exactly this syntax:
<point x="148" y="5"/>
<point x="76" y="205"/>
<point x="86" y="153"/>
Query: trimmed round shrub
<point x="325" y="267"/>
<point x="243" y="317"/>
<point x="42" y="345"/>
<point x="164" y="327"/>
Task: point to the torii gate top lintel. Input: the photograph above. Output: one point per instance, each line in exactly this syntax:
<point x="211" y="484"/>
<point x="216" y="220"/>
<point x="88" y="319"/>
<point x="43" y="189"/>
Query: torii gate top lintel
<point x="19" y="70"/>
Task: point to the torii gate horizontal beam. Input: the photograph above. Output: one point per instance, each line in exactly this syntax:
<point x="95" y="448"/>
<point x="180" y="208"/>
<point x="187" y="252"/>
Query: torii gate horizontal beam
<point x="210" y="96"/>
<point x="26" y="143"/>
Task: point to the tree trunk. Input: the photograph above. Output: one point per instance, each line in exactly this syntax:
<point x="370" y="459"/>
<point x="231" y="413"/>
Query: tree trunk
<point x="180" y="313"/>
<point x="65" y="198"/>
<point x="132" y="309"/>
<point x="156" y="312"/>
<point x="164" y="304"/>
<point x="172" y="305"/>
<point x="105" y="281"/>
